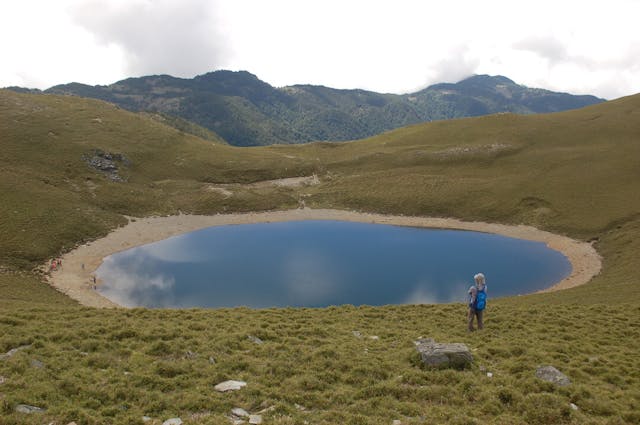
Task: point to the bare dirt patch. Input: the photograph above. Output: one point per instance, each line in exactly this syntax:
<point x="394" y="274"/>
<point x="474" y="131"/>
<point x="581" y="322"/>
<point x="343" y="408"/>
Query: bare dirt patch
<point x="288" y="182"/>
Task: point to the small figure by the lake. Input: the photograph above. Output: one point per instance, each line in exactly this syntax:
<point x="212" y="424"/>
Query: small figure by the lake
<point x="477" y="301"/>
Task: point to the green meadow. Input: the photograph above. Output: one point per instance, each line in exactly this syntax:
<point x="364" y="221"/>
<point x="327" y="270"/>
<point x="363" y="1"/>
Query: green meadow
<point x="575" y="173"/>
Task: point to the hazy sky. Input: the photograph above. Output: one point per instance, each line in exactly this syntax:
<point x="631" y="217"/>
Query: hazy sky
<point x="396" y="46"/>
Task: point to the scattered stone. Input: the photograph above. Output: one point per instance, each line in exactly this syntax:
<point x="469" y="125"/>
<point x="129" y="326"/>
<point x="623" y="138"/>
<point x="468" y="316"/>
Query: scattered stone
<point x="374" y="337"/>
<point x="190" y="355"/>
<point x="573" y="406"/>
<point x="25" y="408"/>
<point x="2" y="380"/>
<point x="489" y="375"/>
<point x="72" y="423"/>
<point x="173" y="421"/>
<point x="553" y="375"/>
<point x="37" y="364"/>
<point x="255" y="419"/>
<point x="146" y="418"/>
<point x="267" y="409"/>
<point x="239" y="412"/>
<point x="443" y="355"/>
<point x="357" y="334"/>
<point x="212" y="360"/>
<point x="229" y="386"/>
<point x="200" y="415"/>
<point x="13" y="351"/>
<point x="255" y="339"/>
<point x="396" y="422"/>
<point x="299" y="407"/>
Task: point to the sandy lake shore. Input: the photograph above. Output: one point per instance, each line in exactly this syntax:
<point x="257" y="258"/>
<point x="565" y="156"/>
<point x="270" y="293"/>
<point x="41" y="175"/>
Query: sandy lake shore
<point x="75" y="277"/>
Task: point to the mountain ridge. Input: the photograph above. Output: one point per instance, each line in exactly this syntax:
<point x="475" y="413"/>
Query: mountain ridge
<point x="246" y="111"/>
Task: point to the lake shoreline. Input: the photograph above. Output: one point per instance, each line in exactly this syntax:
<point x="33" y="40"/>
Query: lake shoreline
<point x="75" y="278"/>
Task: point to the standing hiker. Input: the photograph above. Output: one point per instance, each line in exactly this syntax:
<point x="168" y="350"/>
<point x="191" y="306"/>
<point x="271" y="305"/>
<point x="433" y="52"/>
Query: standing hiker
<point x="477" y="301"/>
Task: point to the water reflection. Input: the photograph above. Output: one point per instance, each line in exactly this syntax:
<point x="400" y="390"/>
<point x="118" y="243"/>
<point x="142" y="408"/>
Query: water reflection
<point x="428" y="293"/>
<point x="135" y="283"/>
<point x="308" y="277"/>
<point x="321" y="263"/>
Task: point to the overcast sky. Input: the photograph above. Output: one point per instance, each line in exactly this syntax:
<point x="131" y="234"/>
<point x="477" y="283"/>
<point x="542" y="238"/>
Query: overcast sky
<point x="395" y="46"/>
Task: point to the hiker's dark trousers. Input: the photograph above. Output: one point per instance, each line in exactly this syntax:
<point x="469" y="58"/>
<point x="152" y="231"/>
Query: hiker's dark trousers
<point x="478" y="314"/>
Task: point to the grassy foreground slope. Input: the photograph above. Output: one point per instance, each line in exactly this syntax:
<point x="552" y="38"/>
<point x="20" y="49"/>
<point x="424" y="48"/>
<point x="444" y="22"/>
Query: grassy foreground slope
<point x="575" y="173"/>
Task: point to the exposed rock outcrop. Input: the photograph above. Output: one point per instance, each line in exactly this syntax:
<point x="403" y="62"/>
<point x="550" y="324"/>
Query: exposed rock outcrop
<point x="107" y="163"/>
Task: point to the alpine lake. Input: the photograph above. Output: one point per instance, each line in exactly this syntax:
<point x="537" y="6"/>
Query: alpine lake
<point x="319" y="263"/>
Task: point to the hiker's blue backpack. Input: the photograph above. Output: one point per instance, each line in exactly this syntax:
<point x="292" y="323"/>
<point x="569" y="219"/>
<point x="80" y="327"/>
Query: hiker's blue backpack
<point x="481" y="299"/>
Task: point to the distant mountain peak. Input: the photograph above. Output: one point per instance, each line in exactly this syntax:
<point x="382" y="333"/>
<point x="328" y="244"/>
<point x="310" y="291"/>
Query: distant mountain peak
<point x="224" y="73"/>
<point x="478" y="80"/>
<point x="487" y="79"/>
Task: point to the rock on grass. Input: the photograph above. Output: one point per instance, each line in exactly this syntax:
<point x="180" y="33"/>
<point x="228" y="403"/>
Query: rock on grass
<point x="229" y="386"/>
<point x="443" y="355"/>
<point x="553" y="375"/>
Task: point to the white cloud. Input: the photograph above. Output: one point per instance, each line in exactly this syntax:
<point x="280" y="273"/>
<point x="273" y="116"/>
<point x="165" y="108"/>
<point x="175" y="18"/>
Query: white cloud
<point x="574" y="46"/>
<point x="41" y="46"/>
<point x="545" y="46"/>
<point x="180" y="38"/>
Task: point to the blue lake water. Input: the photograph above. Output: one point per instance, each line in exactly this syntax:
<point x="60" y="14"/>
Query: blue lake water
<point x="323" y="263"/>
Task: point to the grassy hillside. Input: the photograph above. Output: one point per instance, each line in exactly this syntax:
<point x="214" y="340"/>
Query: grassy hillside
<point x="574" y="173"/>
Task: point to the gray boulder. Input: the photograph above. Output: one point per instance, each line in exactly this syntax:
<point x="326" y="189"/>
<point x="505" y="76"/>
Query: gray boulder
<point x="13" y="351"/>
<point x="239" y="412"/>
<point x="229" y="386"/>
<point x="255" y="339"/>
<point x="553" y="375"/>
<point x="443" y="355"/>
<point x="25" y="408"/>
<point x="173" y="421"/>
